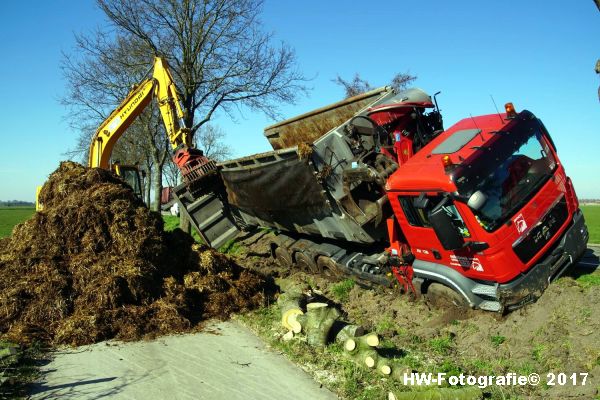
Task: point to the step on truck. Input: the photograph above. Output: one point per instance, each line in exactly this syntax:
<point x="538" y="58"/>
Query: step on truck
<point x="374" y="187"/>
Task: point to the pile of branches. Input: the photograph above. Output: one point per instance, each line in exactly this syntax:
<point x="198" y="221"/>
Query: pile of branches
<point x="95" y="264"/>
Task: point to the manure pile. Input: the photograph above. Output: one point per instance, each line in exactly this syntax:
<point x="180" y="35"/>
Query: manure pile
<point x="95" y="264"/>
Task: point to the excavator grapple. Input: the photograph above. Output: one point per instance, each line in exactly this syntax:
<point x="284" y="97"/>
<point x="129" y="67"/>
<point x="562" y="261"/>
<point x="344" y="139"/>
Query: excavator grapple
<point x="195" y="168"/>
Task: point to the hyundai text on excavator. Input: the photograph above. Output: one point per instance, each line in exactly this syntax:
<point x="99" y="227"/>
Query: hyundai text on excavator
<point x="160" y="86"/>
<point x="375" y="188"/>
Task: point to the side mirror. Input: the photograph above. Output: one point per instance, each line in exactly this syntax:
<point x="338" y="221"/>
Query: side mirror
<point x="442" y="225"/>
<point x="477" y="200"/>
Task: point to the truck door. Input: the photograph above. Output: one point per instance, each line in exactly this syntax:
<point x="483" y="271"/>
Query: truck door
<point x="417" y="228"/>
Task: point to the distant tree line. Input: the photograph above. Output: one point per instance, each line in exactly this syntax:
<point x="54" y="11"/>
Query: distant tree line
<point x="16" y="203"/>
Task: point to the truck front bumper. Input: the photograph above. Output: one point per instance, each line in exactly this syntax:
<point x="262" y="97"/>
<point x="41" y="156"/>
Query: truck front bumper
<point x="528" y="287"/>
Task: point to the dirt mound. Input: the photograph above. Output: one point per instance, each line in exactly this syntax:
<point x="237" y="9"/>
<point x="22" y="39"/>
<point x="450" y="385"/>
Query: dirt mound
<point x="95" y="264"/>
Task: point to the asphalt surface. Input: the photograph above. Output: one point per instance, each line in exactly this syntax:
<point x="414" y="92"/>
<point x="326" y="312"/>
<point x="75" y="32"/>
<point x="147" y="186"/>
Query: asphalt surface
<point x="226" y="361"/>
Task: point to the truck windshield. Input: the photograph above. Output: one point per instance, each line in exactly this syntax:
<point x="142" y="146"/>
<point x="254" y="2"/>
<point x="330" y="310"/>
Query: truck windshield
<point x="509" y="170"/>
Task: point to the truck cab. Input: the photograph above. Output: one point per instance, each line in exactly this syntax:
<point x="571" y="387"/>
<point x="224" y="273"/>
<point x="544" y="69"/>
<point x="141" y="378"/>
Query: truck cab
<point x="487" y="208"/>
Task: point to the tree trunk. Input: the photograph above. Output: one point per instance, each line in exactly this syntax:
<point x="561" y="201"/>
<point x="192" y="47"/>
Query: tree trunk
<point x="148" y="187"/>
<point x="184" y="223"/>
<point x="157" y="186"/>
<point x="349" y="331"/>
<point x="318" y="320"/>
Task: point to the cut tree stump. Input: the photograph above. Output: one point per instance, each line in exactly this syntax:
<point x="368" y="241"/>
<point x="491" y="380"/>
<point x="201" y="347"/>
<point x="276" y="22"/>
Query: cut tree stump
<point x="349" y="332"/>
<point x="314" y="306"/>
<point x="317" y="322"/>
<point x="321" y="324"/>
<point x="384" y="366"/>
<point x="289" y="285"/>
<point x="370" y="358"/>
<point x="357" y="343"/>
<point x="290" y="306"/>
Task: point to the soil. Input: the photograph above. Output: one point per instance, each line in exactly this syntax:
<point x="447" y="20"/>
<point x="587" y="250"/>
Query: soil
<point x="95" y="264"/>
<point x="558" y="333"/>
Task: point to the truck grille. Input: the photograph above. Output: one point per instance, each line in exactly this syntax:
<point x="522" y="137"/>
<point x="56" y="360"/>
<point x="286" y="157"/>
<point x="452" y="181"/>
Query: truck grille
<point x="541" y="233"/>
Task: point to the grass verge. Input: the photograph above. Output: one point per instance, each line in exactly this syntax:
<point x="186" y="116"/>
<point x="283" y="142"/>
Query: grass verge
<point x="18" y="368"/>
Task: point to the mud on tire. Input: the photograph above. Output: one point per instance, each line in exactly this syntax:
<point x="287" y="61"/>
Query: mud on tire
<point x="440" y="295"/>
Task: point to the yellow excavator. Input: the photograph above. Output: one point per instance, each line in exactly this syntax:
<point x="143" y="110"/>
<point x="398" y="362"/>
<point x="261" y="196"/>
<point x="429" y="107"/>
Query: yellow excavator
<point x="160" y="86"/>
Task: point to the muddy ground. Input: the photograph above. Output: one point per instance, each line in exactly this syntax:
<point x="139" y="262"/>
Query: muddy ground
<point x="558" y="333"/>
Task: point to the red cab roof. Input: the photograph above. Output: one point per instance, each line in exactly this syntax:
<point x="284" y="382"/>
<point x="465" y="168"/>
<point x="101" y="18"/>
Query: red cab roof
<point x="424" y="172"/>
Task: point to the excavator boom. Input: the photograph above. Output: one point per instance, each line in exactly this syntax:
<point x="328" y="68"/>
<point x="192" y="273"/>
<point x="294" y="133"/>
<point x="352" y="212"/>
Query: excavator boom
<point x="161" y="86"/>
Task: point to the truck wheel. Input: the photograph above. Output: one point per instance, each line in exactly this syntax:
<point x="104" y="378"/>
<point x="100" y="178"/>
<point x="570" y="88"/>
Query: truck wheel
<point x="328" y="268"/>
<point x="442" y="296"/>
<point x="305" y="263"/>
<point x="283" y="257"/>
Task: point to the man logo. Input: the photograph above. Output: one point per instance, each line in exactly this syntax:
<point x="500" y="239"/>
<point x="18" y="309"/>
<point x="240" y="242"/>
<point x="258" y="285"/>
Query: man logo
<point x="520" y="223"/>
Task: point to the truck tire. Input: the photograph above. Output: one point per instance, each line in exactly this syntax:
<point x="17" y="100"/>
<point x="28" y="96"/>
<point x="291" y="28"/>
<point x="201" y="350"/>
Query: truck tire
<point x="306" y="263"/>
<point x="442" y="296"/>
<point x="283" y="257"/>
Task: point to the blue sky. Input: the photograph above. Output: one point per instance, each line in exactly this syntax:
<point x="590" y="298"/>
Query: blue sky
<point x="538" y="54"/>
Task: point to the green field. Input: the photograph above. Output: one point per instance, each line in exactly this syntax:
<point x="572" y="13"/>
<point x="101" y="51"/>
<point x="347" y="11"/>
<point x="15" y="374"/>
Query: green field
<point x="11" y="216"/>
<point x="592" y="220"/>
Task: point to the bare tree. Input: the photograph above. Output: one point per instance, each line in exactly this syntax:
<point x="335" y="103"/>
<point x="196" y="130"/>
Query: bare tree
<point x="171" y="174"/>
<point x="358" y="85"/>
<point x="211" y="139"/>
<point x="218" y="51"/>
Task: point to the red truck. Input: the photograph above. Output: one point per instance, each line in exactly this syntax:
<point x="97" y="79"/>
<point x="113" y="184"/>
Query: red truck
<point x="376" y="188"/>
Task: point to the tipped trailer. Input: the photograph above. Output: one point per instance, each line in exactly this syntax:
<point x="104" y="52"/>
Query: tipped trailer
<point x="374" y="187"/>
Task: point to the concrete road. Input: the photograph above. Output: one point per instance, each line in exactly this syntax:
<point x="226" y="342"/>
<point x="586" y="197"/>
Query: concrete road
<point x="225" y="362"/>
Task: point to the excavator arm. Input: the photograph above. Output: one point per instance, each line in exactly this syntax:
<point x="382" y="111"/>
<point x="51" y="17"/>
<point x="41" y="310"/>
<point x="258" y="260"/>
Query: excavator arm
<point x="193" y="164"/>
<point x="160" y="86"/>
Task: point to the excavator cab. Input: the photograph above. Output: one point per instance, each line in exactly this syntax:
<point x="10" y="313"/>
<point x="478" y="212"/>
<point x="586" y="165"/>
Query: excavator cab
<point x="131" y="175"/>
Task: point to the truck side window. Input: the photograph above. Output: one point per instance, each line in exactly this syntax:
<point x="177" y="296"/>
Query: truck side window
<point x="420" y="216"/>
